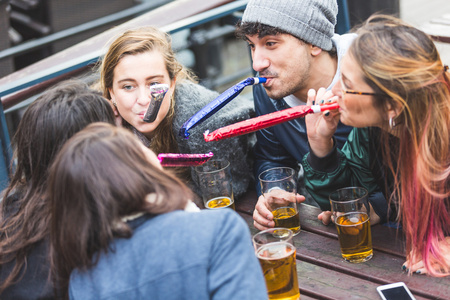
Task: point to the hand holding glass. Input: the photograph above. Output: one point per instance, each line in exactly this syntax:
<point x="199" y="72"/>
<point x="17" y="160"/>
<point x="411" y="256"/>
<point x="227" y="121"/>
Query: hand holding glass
<point x="350" y="212"/>
<point x="279" y="188"/>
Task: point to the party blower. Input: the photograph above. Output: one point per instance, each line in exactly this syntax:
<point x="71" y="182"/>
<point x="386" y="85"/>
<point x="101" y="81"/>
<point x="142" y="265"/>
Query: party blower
<point x="265" y="121"/>
<point x="157" y="92"/>
<point x="214" y="106"/>
<point x="183" y="160"/>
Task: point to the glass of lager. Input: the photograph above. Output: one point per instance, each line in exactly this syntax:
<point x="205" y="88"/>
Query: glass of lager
<point x="279" y="187"/>
<point x="216" y="184"/>
<point x="350" y="212"/>
<point x="276" y="253"/>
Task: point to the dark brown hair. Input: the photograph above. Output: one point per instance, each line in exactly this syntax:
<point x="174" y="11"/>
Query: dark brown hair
<point x="262" y="30"/>
<point x="100" y="176"/>
<point x="47" y="123"/>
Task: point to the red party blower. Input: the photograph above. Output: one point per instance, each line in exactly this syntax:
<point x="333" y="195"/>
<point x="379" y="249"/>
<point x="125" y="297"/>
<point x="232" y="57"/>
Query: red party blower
<point x="265" y="121"/>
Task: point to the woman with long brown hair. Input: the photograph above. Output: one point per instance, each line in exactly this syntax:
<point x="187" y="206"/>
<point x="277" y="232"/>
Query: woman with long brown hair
<point x="141" y="57"/>
<point x="47" y="123"/>
<point x="119" y="230"/>
<point x="395" y="91"/>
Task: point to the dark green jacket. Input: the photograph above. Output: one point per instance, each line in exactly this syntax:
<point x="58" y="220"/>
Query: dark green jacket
<point x="357" y="164"/>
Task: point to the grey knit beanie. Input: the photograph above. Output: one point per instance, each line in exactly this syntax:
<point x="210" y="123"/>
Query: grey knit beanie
<point x="312" y="21"/>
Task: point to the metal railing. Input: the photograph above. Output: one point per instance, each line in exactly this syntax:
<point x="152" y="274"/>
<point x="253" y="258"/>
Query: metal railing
<point x="13" y="94"/>
<point x="63" y="34"/>
<point x="22" y="89"/>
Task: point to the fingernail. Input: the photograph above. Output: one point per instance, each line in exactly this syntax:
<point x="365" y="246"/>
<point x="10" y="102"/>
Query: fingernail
<point x="418" y="272"/>
<point x="403" y="267"/>
<point x="327" y="114"/>
<point x="329" y="100"/>
<point x="314" y="102"/>
<point x="322" y="101"/>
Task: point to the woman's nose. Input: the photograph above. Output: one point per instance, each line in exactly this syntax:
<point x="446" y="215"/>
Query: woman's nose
<point x="143" y="97"/>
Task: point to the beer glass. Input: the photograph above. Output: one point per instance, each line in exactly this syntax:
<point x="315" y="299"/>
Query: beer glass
<point x="276" y="253"/>
<point x="350" y="212"/>
<point x="279" y="187"/>
<point x="216" y="184"/>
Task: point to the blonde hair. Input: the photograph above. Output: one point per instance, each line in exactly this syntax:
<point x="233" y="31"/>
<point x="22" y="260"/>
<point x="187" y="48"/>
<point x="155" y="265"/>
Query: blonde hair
<point x="402" y="63"/>
<point x="100" y="176"/>
<point x="137" y="41"/>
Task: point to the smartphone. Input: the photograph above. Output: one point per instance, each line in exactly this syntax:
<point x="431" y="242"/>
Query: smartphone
<point x="395" y="291"/>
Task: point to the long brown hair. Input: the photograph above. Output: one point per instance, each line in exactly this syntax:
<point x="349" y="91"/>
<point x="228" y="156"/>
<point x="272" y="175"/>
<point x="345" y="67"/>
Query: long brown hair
<point x="402" y="62"/>
<point x="46" y="124"/>
<point x="100" y="176"/>
<point x="137" y="41"/>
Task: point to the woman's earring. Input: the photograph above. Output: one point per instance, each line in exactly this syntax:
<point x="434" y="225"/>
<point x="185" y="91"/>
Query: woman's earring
<point x="114" y="103"/>
<point x="391" y="123"/>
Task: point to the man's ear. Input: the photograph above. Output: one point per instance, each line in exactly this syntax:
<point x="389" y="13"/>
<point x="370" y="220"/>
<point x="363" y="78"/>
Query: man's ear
<point x="315" y="50"/>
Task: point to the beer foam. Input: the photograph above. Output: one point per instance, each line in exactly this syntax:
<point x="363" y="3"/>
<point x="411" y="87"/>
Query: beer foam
<point x="275" y="250"/>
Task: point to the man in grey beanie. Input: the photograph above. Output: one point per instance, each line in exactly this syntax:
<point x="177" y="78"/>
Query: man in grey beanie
<point x="294" y="46"/>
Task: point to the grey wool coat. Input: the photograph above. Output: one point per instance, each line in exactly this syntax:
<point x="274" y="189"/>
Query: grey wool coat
<point x="189" y="99"/>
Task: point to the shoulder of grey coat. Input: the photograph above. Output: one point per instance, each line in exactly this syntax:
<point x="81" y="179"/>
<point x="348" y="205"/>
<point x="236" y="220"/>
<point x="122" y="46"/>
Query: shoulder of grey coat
<point x="189" y="99"/>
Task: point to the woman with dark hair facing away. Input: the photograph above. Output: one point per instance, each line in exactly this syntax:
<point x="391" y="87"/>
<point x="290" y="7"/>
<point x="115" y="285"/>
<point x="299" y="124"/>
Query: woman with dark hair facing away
<point x="47" y="123"/>
<point x="119" y="230"/>
<point x="141" y="57"/>
<point x="395" y="91"/>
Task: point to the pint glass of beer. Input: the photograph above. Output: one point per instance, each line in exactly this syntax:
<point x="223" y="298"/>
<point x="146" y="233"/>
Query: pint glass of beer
<point x="276" y="253"/>
<point x="350" y="212"/>
<point x="216" y="184"/>
<point x="279" y="187"/>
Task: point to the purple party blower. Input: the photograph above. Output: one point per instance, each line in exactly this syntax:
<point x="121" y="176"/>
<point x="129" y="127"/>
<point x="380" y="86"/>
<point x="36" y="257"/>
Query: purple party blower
<point x="157" y="92"/>
<point x="214" y="106"/>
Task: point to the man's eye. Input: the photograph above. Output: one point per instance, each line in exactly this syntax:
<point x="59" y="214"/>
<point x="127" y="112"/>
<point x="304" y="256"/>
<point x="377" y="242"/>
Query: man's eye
<point x="270" y="44"/>
<point x="127" y="87"/>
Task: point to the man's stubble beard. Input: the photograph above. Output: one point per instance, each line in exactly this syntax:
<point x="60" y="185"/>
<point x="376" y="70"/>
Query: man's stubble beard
<point x="293" y="86"/>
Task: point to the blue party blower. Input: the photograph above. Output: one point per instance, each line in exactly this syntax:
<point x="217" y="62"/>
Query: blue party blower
<point x="214" y="106"/>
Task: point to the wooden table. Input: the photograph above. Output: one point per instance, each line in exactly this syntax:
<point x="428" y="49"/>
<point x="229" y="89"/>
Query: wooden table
<point x="323" y="274"/>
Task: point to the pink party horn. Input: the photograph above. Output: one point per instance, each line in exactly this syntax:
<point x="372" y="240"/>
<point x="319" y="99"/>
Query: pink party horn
<point x="183" y="160"/>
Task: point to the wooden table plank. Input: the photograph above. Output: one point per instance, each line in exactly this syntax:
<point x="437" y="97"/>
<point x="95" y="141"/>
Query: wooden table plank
<point x="308" y="221"/>
<point x="323" y="253"/>
<point x="320" y="283"/>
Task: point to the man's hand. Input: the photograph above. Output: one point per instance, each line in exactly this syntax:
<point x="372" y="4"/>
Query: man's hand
<point x="262" y="215"/>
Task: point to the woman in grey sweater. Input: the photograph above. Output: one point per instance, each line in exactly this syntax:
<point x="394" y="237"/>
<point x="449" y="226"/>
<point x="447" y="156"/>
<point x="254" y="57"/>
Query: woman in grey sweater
<point x="141" y="57"/>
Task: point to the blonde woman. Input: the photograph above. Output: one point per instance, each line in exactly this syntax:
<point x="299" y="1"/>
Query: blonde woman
<point x="138" y="58"/>
<point x="395" y="91"/>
